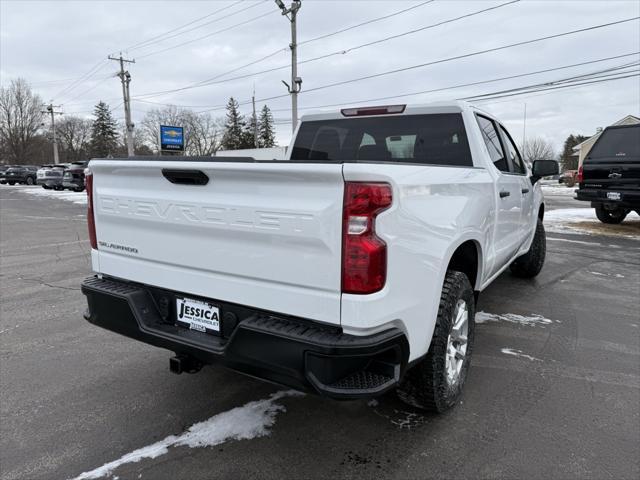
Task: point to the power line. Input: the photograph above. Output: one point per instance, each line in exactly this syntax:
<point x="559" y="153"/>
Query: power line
<point x="135" y="46"/>
<point x="270" y="12"/>
<point x="540" y="88"/>
<point x="211" y="81"/>
<point x="368" y="22"/>
<point x="467" y="55"/>
<point x="462" y="85"/>
<point x="280" y="50"/>
<point x="89" y="89"/>
<point x="91" y="72"/>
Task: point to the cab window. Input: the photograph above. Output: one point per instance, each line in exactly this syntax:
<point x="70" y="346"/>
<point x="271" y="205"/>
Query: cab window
<point x="517" y="164"/>
<point x="492" y="141"/>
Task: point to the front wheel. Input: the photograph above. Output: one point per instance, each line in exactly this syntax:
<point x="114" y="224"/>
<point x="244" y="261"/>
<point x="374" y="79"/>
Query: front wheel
<point x="78" y="189"/>
<point x="30" y="181"/>
<point x="11" y="183"/>
<point x="530" y="264"/>
<point x="613" y="216"/>
<point x="436" y="382"/>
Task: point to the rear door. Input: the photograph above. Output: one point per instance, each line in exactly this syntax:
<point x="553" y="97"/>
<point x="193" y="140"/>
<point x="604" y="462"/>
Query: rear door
<point x="508" y="233"/>
<point x="266" y="235"/>
<point x="518" y="168"/>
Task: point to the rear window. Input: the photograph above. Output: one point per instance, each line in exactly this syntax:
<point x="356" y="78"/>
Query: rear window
<point x="435" y="139"/>
<point x="618" y="144"/>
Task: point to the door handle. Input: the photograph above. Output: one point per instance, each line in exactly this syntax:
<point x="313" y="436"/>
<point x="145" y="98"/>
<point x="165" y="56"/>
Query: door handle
<point x="525" y="191"/>
<point x="185" y="177"/>
<point x="504" y="193"/>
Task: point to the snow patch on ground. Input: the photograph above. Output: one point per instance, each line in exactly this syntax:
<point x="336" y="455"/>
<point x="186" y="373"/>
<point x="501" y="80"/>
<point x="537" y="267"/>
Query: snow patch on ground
<point x="531" y="320"/>
<point x="518" y="353"/>
<point x="600" y="274"/>
<point x="252" y="420"/>
<point x="558" y="189"/>
<point x="582" y="221"/>
<point x="79" y="198"/>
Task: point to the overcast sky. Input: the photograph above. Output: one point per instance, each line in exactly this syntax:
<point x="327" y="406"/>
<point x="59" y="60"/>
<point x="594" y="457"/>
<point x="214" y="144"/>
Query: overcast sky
<point x="53" y="43"/>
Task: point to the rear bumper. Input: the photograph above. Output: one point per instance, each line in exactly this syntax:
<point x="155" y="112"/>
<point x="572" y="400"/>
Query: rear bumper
<point x="295" y="352"/>
<point x="628" y="198"/>
<point x="73" y="184"/>
<point x="49" y="182"/>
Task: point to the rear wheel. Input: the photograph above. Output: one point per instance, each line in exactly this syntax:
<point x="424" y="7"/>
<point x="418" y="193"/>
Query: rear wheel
<point x="11" y="183"/>
<point x="611" y="215"/>
<point x="530" y="264"/>
<point x="45" y="187"/>
<point x="436" y="382"/>
<point x="78" y="189"/>
<point x="30" y="181"/>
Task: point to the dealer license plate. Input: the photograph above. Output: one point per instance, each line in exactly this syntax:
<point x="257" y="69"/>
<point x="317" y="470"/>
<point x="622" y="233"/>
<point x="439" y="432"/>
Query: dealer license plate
<point x="614" y="195"/>
<point x="198" y="315"/>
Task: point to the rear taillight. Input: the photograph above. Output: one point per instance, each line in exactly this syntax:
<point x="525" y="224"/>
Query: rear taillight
<point x="364" y="254"/>
<point x="579" y="177"/>
<point x="88" y="179"/>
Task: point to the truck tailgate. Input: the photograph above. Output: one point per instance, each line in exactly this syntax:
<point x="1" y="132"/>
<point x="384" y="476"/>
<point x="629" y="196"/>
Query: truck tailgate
<point x="266" y="235"/>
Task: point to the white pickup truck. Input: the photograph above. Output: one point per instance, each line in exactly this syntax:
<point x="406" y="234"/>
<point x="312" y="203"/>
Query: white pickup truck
<point x="349" y="269"/>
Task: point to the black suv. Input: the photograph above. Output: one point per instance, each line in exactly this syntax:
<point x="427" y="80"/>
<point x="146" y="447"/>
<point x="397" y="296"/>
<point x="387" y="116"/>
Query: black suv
<point x="20" y="174"/>
<point x="610" y="174"/>
<point x="73" y="178"/>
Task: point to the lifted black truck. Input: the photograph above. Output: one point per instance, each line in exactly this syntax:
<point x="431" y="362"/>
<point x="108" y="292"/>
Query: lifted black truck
<point x="609" y="177"/>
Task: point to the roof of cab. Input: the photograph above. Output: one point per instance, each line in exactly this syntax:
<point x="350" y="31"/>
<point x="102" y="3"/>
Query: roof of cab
<point x="452" y="106"/>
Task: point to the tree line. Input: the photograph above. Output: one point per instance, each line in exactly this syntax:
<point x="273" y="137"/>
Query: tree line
<point x="26" y="136"/>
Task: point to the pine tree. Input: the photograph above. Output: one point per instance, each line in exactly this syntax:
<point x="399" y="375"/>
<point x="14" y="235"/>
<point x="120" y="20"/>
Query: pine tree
<point x="249" y="140"/>
<point x="104" y="132"/>
<point x="234" y="136"/>
<point x="266" y="129"/>
<point x="568" y="160"/>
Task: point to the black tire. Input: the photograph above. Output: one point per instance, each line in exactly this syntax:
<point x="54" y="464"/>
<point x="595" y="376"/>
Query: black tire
<point x="11" y="183"/>
<point x="611" y="216"/>
<point x="426" y="385"/>
<point x="45" y="187"/>
<point x="78" y="189"/>
<point x="30" y="181"/>
<point x="530" y="264"/>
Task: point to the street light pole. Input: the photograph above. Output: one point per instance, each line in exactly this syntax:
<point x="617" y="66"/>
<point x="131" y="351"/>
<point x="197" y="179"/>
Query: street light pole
<point x="296" y="82"/>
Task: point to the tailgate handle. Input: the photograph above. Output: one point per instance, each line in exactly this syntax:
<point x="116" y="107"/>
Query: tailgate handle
<point x="185" y="177"/>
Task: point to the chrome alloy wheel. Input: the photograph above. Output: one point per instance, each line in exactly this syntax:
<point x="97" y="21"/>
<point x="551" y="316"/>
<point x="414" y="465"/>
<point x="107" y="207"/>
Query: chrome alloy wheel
<point x="457" y="343"/>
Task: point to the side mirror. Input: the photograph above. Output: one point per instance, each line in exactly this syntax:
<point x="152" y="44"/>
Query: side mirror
<point x="544" y="168"/>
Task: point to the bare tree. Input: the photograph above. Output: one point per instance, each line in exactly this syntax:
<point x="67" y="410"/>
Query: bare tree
<point x="74" y="134"/>
<point x="150" y="125"/>
<point x="20" y="119"/>
<point x="204" y="132"/>
<point x="537" y="148"/>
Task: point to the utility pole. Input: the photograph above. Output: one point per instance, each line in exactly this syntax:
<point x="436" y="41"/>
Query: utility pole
<point x="255" y="118"/>
<point x="296" y="82"/>
<point x="51" y="110"/>
<point x="125" y="78"/>
<point x="524" y="134"/>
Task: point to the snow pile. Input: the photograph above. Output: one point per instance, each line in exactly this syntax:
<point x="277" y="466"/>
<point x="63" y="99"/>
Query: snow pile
<point x="518" y="353"/>
<point x="79" y="198"/>
<point x="531" y="320"/>
<point x="558" y="189"/>
<point x="582" y="221"/>
<point x="252" y="420"/>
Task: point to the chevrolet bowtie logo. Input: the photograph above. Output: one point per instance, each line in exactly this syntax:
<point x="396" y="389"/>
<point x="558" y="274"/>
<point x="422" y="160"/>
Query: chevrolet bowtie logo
<point x="615" y="175"/>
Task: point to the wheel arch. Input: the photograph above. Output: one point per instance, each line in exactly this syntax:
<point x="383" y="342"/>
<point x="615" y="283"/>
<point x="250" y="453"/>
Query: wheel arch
<point x="467" y="258"/>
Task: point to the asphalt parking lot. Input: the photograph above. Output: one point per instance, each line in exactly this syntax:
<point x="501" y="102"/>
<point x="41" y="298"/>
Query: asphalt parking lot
<point x="553" y="392"/>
